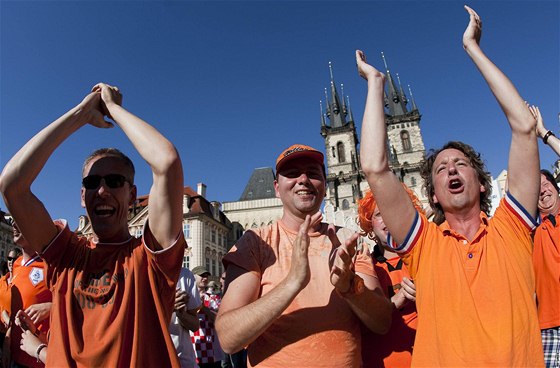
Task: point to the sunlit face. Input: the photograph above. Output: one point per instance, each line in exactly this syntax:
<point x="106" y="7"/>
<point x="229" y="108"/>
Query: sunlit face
<point x="548" y="198"/>
<point x="12" y="256"/>
<point x="456" y="183"/>
<point x="301" y="186"/>
<point x="107" y="208"/>
<point x="379" y="229"/>
<point x="202" y="280"/>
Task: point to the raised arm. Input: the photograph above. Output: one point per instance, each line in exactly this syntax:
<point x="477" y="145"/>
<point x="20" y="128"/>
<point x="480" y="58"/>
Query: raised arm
<point x="243" y="316"/>
<point x="393" y="201"/>
<point x="523" y="165"/>
<point x="20" y="172"/>
<point x="165" y="210"/>
<point x="546" y="135"/>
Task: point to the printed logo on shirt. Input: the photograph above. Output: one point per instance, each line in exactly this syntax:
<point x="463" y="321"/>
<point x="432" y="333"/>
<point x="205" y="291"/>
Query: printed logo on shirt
<point x="36" y="275"/>
<point x="99" y="290"/>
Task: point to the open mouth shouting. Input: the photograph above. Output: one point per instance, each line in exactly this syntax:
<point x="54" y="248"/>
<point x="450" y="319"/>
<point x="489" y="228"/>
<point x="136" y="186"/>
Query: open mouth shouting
<point x="455" y="185"/>
<point x="104" y="210"/>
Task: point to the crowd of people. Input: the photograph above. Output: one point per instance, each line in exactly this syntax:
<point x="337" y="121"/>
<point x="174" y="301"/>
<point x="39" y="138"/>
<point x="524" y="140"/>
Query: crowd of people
<point x="461" y="289"/>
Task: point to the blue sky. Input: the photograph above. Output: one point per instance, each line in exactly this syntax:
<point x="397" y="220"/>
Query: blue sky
<point x="233" y="83"/>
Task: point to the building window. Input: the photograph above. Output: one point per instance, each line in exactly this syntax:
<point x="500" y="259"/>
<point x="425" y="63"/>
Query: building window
<point x="207" y="265"/>
<point x="340" y="151"/>
<point x="214" y="267"/>
<point x="405" y="138"/>
<point x="345" y="204"/>
<point x="413" y="182"/>
<point x="138" y="232"/>
<point x="213" y="236"/>
<point x="186" y="262"/>
<point x="187" y="230"/>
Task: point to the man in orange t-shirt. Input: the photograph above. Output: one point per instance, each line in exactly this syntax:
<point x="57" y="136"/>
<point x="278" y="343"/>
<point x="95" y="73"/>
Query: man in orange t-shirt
<point x="474" y="276"/>
<point x="292" y="293"/>
<point x="113" y="295"/>
<point x="546" y="260"/>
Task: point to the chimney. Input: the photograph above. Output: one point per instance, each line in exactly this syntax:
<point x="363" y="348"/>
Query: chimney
<point x="186" y="200"/>
<point x="201" y="189"/>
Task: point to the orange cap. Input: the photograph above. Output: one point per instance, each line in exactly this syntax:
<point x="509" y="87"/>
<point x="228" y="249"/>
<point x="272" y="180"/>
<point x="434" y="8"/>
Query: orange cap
<point x="299" y="151"/>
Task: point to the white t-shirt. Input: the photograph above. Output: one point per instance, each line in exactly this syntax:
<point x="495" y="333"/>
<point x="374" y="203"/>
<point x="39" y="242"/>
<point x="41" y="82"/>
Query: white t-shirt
<point x="180" y="336"/>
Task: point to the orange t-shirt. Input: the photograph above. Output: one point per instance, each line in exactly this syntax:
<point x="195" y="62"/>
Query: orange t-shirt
<point x="318" y="328"/>
<point x="546" y="260"/>
<point x="28" y="288"/>
<point x="475" y="299"/>
<point x="112" y="303"/>
<point x="394" y="349"/>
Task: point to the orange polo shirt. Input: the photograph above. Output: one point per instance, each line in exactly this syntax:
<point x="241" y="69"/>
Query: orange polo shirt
<point x="475" y="299"/>
<point x="546" y="260"/>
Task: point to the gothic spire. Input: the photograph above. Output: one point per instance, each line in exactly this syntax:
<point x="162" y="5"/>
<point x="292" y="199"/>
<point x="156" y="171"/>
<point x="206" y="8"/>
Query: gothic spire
<point x="395" y="100"/>
<point x="414" y="107"/>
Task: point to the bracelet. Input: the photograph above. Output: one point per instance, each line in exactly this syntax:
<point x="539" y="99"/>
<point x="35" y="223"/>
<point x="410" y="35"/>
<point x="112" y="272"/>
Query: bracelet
<point x="546" y="136"/>
<point x="38" y="352"/>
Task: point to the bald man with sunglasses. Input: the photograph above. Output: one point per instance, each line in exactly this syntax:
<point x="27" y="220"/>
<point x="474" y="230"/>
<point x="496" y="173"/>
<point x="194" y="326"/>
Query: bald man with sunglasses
<point x="112" y="294"/>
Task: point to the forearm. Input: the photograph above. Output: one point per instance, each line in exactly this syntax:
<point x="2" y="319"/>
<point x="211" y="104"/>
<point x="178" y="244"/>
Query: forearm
<point x="371" y="306"/>
<point x="20" y="172"/>
<point x="165" y="163"/>
<point x="373" y="148"/>
<point x="239" y="327"/>
<point x="507" y="96"/>
<point x="551" y="140"/>
<point x="188" y="320"/>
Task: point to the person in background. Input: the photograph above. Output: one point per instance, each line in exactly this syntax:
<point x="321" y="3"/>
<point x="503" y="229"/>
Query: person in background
<point x="393" y="349"/>
<point x="546" y="261"/>
<point x="209" y="353"/>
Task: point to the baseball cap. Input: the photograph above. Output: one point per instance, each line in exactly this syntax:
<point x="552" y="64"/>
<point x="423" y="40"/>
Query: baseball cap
<point x="200" y="270"/>
<point x="299" y="151"/>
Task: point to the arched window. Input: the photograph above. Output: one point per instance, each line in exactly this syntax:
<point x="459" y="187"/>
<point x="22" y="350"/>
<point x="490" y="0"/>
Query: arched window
<point x="405" y="138"/>
<point x="340" y="150"/>
<point x="345" y="204"/>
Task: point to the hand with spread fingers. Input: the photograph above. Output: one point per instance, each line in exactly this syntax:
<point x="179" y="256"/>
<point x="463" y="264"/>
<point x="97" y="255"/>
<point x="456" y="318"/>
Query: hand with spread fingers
<point x="39" y="312"/>
<point x="474" y="29"/>
<point x="299" y="269"/>
<point x="342" y="259"/>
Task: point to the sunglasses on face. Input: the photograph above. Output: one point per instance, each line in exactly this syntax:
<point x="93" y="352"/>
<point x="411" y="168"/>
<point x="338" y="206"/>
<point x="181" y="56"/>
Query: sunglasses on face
<point x="112" y="181"/>
<point x="11" y="259"/>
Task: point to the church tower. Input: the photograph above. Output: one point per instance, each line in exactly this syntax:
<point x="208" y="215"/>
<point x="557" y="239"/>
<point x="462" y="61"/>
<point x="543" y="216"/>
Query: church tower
<point x="345" y="180"/>
<point x="341" y="142"/>
<point x="406" y="146"/>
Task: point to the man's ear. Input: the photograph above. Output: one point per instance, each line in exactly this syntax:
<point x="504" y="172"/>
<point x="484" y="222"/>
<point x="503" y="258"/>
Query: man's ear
<point x="83" y="197"/>
<point x="276" y="189"/>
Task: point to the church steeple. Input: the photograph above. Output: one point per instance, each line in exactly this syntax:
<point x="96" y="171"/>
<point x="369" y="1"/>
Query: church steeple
<point x="395" y="100"/>
<point x="336" y="109"/>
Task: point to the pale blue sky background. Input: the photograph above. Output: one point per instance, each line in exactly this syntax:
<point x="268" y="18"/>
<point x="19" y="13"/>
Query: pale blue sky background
<point x="234" y="83"/>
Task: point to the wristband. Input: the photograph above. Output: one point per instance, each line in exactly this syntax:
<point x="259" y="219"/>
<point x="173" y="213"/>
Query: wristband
<point x="38" y="352"/>
<point x="546" y="136"/>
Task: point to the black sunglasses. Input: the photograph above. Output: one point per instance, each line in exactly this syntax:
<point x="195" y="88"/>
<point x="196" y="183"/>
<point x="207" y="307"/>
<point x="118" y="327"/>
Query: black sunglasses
<point x="112" y="181"/>
<point x="11" y="259"/>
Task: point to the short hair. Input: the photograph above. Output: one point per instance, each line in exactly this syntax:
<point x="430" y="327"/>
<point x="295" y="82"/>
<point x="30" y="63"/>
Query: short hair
<point x="548" y="175"/>
<point x="366" y="207"/>
<point x="110" y="152"/>
<point x="16" y="250"/>
<point x="476" y="162"/>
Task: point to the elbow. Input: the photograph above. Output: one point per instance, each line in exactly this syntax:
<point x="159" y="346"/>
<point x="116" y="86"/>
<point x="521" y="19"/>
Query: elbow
<point x="224" y="335"/>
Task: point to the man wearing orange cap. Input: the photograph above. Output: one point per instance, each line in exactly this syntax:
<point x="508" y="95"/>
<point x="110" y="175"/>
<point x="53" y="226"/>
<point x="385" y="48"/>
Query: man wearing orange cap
<point x="292" y="295"/>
